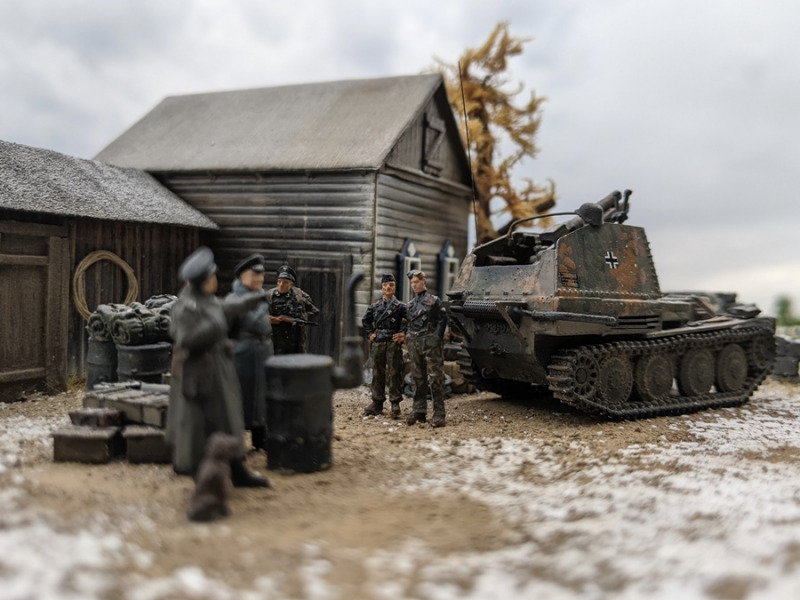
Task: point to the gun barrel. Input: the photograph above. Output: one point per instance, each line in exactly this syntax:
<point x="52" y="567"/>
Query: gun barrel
<point x="608" y="204"/>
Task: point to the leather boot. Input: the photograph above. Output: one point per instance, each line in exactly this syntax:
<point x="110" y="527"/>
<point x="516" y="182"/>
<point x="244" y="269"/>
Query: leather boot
<point x="413" y="418"/>
<point x="376" y="408"/>
<point x="438" y="421"/>
<point x="241" y="477"/>
<point x="395" y="410"/>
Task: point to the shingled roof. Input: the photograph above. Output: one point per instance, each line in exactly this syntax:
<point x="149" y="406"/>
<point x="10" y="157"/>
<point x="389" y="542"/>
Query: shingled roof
<point x="316" y="126"/>
<point x="43" y="181"/>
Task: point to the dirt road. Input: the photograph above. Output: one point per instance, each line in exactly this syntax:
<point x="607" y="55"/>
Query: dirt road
<point x="510" y="500"/>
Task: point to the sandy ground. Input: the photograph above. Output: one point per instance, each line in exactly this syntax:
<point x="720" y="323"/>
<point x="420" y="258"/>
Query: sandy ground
<point x="513" y="499"/>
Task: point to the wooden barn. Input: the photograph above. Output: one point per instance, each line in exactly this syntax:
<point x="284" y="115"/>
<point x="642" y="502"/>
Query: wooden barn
<point x="331" y="178"/>
<point x="120" y="230"/>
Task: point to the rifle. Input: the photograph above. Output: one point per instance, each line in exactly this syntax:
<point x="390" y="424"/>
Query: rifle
<point x="304" y="322"/>
<point x="293" y="320"/>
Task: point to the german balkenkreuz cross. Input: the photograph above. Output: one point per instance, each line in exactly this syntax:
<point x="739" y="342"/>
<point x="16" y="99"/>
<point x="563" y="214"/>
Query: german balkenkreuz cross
<point x="612" y="260"/>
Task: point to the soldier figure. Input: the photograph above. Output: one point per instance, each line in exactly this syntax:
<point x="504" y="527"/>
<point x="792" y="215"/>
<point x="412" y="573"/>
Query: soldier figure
<point x="383" y="326"/>
<point x="253" y="335"/>
<point x="427" y="321"/>
<point x="204" y="394"/>
<point x="289" y="308"/>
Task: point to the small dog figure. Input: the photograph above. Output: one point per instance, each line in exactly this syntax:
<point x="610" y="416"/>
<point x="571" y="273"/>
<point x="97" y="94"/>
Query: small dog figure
<point x="210" y="497"/>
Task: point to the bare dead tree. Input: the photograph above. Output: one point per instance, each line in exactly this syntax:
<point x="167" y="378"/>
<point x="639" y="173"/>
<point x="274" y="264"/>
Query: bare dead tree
<point x="493" y="117"/>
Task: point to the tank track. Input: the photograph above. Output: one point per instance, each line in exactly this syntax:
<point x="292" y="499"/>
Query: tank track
<point x="502" y="387"/>
<point x="573" y="380"/>
<point x="466" y="366"/>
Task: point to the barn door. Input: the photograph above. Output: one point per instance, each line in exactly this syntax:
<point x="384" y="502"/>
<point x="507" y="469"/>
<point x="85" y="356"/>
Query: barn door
<point x="34" y="287"/>
<point x="324" y="279"/>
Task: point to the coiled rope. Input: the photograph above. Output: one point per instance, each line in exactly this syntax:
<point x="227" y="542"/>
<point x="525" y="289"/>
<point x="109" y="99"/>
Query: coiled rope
<point x="78" y="294"/>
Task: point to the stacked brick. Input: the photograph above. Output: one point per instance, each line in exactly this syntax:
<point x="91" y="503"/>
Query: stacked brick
<point x="118" y="420"/>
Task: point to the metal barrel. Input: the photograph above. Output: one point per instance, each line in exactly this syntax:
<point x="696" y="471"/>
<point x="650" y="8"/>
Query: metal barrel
<point x="101" y="363"/>
<point x="299" y="412"/>
<point x="146" y="362"/>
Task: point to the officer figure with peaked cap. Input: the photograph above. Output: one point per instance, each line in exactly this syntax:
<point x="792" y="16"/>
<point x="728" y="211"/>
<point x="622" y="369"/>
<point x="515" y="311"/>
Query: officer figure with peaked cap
<point x="204" y="394"/>
<point x="384" y="327"/>
<point x="253" y="335"/>
<point x="287" y="303"/>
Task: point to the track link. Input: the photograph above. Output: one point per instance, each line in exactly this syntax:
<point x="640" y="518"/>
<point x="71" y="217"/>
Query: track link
<point x="576" y="376"/>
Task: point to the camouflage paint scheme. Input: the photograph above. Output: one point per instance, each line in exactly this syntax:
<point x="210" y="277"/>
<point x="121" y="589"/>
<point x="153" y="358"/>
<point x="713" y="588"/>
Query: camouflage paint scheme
<point x="578" y="308"/>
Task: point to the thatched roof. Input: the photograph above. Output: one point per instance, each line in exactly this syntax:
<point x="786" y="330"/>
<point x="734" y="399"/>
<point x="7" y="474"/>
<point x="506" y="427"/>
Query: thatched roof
<point x="316" y="126"/>
<point x="43" y="181"/>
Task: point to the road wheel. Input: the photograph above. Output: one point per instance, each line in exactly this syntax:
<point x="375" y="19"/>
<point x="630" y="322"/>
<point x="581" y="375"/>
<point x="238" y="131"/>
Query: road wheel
<point x="653" y="377"/>
<point x="616" y="379"/>
<point x="762" y="352"/>
<point x="696" y="372"/>
<point x="731" y="368"/>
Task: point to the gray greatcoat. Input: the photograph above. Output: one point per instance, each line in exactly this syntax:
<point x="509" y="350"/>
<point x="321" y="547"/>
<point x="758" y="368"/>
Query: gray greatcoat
<point x="253" y="335"/>
<point x="204" y="389"/>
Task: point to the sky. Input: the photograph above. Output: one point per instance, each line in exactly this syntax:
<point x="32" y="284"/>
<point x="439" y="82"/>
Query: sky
<point x="692" y="104"/>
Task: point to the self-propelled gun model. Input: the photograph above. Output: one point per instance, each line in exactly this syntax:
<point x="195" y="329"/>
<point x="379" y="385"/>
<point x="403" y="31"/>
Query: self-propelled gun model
<point x="578" y="308"/>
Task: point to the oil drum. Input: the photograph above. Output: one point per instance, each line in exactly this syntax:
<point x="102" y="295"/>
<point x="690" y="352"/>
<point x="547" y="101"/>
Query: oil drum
<point x="299" y="412"/>
<point x="146" y="362"/>
<point x="101" y="363"/>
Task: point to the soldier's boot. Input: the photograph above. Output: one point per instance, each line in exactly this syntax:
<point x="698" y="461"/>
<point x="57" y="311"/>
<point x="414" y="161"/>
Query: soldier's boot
<point x="376" y="408"/>
<point x="258" y="435"/>
<point x="438" y="421"/>
<point x="415" y="417"/>
<point x="241" y="477"/>
<point x="395" y="410"/>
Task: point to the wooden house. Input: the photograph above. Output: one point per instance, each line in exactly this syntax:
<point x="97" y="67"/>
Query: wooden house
<point x="119" y="229"/>
<point x="331" y="178"/>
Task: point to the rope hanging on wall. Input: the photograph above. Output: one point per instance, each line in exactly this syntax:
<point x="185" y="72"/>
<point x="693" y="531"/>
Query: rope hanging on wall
<point x="78" y="295"/>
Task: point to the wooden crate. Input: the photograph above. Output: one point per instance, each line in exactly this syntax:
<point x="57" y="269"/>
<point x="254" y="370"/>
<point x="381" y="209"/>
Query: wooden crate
<point x="87" y="444"/>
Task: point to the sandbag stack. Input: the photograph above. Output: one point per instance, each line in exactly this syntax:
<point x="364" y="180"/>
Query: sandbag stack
<point x="129" y="342"/>
<point x="138" y="324"/>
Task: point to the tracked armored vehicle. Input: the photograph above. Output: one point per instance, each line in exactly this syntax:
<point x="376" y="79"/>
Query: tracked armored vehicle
<point x="578" y="308"/>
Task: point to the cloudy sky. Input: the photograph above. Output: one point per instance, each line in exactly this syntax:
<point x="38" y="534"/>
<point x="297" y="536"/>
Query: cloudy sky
<point x="692" y="104"/>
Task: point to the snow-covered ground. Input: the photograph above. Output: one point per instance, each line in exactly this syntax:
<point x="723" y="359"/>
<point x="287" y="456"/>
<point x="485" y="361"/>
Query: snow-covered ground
<point x="716" y="515"/>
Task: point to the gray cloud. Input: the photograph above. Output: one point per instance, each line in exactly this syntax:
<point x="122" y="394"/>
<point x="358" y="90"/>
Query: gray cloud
<point x="692" y="105"/>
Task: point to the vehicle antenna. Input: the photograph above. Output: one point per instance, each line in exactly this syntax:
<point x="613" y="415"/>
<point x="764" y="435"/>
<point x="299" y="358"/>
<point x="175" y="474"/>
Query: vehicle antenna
<point x="469" y="153"/>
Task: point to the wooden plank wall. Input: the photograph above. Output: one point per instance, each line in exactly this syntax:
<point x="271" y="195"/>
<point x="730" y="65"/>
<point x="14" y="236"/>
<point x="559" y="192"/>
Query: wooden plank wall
<point x="285" y="217"/>
<point x="154" y="252"/>
<point x="331" y="216"/>
<point x="450" y="153"/>
<point x="426" y="213"/>
<point x="33" y="290"/>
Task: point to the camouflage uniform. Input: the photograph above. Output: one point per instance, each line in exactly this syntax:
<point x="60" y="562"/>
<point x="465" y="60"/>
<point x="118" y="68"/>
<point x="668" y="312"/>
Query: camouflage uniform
<point x="290" y="338"/>
<point x="384" y="319"/>
<point x="427" y="321"/>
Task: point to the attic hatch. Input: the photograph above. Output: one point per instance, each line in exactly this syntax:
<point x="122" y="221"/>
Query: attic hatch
<point x="432" y="138"/>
